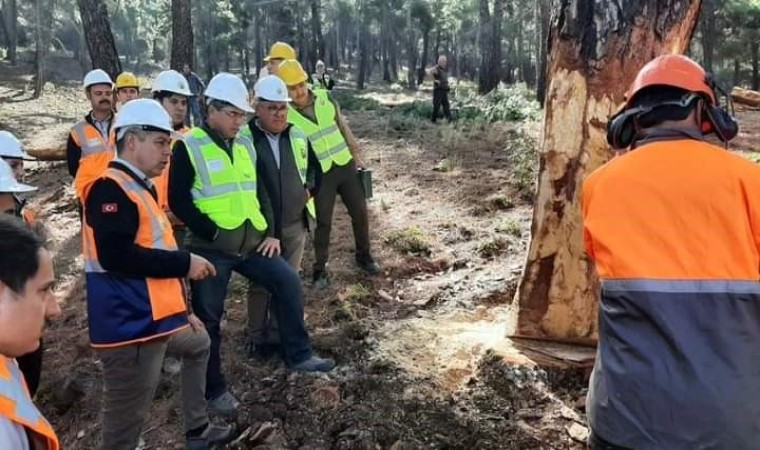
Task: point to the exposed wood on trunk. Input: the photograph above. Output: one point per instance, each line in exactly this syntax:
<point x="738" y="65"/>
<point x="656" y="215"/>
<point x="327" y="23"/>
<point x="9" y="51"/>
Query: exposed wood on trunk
<point x="595" y="51"/>
<point x="97" y="33"/>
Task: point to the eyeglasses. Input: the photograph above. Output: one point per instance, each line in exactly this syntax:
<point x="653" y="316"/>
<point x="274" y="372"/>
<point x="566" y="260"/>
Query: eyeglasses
<point x="277" y="109"/>
<point x="235" y="115"/>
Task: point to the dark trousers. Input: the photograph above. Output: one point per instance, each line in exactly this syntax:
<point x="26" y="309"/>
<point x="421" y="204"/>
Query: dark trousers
<point x="597" y="443"/>
<point x="193" y="116"/>
<point x="279" y="279"/>
<point x="262" y="323"/>
<point x="31" y="367"/>
<point x="441" y="98"/>
<point x="343" y="181"/>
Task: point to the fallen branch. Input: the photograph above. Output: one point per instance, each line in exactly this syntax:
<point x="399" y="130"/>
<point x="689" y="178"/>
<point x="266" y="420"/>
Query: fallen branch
<point x="57" y="153"/>
<point x="745" y="96"/>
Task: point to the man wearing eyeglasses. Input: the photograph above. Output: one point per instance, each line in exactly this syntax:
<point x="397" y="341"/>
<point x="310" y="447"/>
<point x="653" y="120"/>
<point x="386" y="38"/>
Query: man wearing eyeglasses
<point x="214" y="190"/>
<point x="286" y="164"/>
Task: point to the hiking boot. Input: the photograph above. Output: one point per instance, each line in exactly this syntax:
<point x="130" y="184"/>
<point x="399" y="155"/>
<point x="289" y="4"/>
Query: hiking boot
<point x="314" y="364"/>
<point x="320" y="280"/>
<point x="172" y="365"/>
<point x="212" y="436"/>
<point x="369" y="265"/>
<point x="224" y="405"/>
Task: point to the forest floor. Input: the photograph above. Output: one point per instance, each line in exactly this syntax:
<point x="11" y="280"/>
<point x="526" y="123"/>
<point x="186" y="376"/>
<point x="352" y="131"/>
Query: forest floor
<point x="423" y="357"/>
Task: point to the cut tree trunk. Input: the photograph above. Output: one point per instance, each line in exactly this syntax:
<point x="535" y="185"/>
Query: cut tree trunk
<point x="97" y="33"/>
<point x="182" y="35"/>
<point x="589" y="70"/>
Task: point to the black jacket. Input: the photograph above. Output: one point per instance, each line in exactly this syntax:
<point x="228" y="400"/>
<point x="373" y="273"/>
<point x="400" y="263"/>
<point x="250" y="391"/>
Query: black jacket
<point x="114" y="219"/>
<point x="283" y="184"/>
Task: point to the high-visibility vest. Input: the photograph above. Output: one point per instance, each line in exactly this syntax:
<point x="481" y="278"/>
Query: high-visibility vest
<point x="97" y="152"/>
<point x="16" y="405"/>
<point x="325" y="137"/>
<point x="162" y="181"/>
<point x="300" y="147"/>
<point x="225" y="190"/>
<point x="123" y="310"/>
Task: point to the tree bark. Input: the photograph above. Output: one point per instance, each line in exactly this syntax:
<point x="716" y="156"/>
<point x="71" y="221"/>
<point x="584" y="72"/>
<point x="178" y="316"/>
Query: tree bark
<point x="43" y="25"/>
<point x="754" y="48"/>
<point x="596" y="48"/>
<point x="10" y="13"/>
<point x="182" y="35"/>
<point x="708" y="33"/>
<point x="544" y="13"/>
<point x="318" y="46"/>
<point x="365" y="46"/>
<point x="97" y="33"/>
<point x="424" y="58"/>
<point x="412" y="53"/>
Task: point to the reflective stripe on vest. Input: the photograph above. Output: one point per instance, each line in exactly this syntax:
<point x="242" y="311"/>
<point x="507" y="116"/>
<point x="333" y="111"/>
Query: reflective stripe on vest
<point x="325" y="137"/>
<point x="224" y="189"/>
<point x="122" y="309"/>
<point x="97" y="152"/>
<point x="299" y="147"/>
<point x="17" y="406"/>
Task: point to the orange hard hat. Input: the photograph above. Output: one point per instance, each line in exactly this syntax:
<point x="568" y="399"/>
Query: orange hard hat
<point x="672" y="70"/>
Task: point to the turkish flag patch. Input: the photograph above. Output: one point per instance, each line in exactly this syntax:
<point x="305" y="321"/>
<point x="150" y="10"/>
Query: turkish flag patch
<point x="110" y="208"/>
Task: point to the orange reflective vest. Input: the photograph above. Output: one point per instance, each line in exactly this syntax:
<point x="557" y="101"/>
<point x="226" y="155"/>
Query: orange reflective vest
<point x="123" y="310"/>
<point x="16" y="405"/>
<point x="162" y="181"/>
<point x="97" y="152"/>
<point x="673" y="229"/>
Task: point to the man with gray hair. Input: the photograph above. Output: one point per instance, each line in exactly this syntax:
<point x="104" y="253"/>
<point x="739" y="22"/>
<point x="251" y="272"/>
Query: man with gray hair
<point x="441" y="88"/>
<point x="287" y="165"/>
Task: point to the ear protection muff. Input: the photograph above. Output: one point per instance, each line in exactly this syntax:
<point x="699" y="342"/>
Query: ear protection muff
<point x="623" y="129"/>
<point x="717" y="119"/>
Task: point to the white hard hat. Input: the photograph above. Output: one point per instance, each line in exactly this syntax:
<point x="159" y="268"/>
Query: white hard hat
<point x="229" y="88"/>
<point x="8" y="183"/>
<point x="10" y="147"/>
<point x="171" y="81"/>
<point x="145" y="113"/>
<point x="97" y="76"/>
<point x="271" y="88"/>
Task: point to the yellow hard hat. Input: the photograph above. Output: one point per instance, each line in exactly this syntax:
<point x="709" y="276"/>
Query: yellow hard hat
<point x="281" y="50"/>
<point x="127" y="79"/>
<point x="291" y="72"/>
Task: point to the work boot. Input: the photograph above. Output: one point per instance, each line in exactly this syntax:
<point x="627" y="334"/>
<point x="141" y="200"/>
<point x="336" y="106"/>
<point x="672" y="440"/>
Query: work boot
<point x="320" y="279"/>
<point x="315" y="364"/>
<point x="368" y="265"/>
<point x="212" y="436"/>
<point x="224" y="405"/>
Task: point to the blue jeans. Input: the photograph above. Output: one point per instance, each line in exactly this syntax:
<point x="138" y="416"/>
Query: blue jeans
<point x="194" y="112"/>
<point x="283" y="284"/>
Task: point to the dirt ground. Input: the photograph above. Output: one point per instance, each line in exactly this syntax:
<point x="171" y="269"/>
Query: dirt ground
<point x="424" y="361"/>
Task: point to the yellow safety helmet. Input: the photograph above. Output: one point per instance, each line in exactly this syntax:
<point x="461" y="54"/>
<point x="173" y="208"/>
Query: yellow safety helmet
<point x="281" y="50"/>
<point x="291" y="72"/>
<point x="126" y="80"/>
